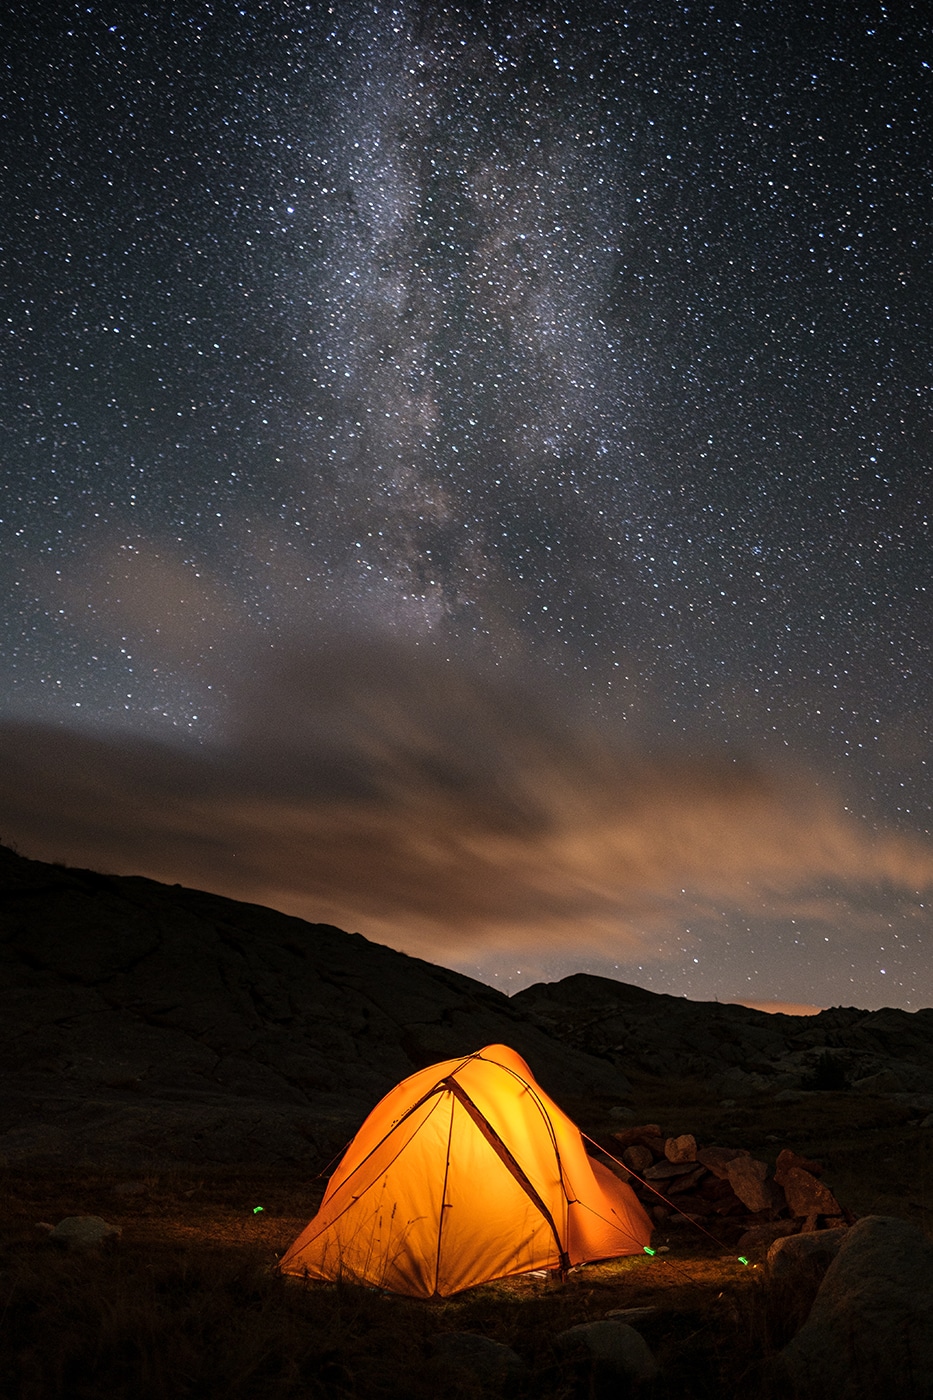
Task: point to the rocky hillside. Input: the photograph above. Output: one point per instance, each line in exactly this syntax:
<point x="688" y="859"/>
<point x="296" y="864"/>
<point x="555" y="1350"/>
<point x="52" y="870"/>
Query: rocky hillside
<point x="739" y="1050"/>
<point x="143" y="1023"/>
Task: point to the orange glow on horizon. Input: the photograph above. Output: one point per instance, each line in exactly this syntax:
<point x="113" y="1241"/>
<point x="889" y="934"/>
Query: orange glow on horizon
<point x="785" y="1008"/>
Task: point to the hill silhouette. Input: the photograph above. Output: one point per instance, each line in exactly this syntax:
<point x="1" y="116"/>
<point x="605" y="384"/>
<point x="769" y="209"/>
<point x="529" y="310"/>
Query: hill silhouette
<point x="142" y="1023"/>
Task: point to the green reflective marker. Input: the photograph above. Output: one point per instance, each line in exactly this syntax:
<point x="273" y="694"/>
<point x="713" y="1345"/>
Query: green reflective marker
<point x="256" y="1209"/>
<point x="742" y="1259"/>
<point x="652" y="1252"/>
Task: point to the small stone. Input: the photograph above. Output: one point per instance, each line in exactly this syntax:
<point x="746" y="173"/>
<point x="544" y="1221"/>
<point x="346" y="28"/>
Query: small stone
<point x="928" y="1121"/>
<point x="83" y="1232"/>
<point x="717" y="1159"/>
<point x="632" y="1137"/>
<point x="665" y="1170"/>
<point x="638" y="1158"/>
<point x="681" y="1149"/>
<point x="788" y="1159"/>
<point x="620" y="1112"/>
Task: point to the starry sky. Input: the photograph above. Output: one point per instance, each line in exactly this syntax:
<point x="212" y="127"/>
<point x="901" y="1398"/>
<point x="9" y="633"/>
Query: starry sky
<point x="467" y="476"/>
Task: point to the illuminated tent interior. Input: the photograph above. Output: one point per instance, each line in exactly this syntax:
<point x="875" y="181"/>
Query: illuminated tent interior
<point x="466" y="1172"/>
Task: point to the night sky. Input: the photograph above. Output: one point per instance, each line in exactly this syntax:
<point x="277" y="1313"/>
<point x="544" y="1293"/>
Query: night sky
<point x="467" y="476"/>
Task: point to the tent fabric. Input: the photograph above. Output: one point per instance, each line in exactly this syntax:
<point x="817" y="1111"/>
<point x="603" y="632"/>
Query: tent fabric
<point x="463" y="1173"/>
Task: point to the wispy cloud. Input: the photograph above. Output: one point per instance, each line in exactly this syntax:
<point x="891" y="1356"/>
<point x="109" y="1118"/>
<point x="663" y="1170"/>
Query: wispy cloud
<point x="448" y="812"/>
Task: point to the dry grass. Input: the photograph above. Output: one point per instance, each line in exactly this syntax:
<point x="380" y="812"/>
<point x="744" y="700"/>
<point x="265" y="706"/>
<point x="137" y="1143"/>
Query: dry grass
<point x="188" y="1303"/>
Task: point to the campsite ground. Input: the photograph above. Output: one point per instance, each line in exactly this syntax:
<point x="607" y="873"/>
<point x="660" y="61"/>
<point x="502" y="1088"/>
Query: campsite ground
<point x="188" y="1303"/>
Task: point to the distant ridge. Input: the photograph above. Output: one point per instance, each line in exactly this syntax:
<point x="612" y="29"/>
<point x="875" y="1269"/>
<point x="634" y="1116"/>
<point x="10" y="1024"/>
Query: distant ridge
<point x="739" y="1049"/>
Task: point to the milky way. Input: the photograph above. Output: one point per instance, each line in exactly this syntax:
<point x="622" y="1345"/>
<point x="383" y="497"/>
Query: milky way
<point x="467" y="476"/>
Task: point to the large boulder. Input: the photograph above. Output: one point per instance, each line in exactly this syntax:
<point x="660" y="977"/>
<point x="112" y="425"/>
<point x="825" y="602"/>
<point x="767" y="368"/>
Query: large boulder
<point x="747" y="1177"/>
<point x="807" y="1197"/>
<point x="870" y="1330"/>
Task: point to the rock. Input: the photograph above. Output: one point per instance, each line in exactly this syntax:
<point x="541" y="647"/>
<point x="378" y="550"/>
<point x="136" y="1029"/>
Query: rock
<point x="806" y="1196"/>
<point x="870" y="1330"/>
<point x="691" y="1204"/>
<point x="688" y="1181"/>
<point x="715" y="1188"/>
<point x="623" y="1113"/>
<point x="747" y="1179"/>
<point x="665" y="1170"/>
<point x="787" y="1159"/>
<point x="742" y="1083"/>
<point x="681" y="1149"/>
<point x="640" y="1136"/>
<point x="83" y="1232"/>
<point x="638" y="1158"/>
<point x="884" y="1082"/>
<point x="794" y="1252"/>
<point x="759" y="1238"/>
<point x="717" y="1159"/>
<point x="609" y="1356"/>
<point x="633" y="1315"/>
<point x="491" y="1363"/>
<point x="928" y="1121"/>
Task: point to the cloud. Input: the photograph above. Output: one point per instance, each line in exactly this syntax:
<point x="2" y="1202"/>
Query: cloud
<point x="447" y="811"/>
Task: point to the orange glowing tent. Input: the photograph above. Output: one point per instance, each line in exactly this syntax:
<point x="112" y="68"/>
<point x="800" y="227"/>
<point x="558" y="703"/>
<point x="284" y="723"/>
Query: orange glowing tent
<point x="463" y="1173"/>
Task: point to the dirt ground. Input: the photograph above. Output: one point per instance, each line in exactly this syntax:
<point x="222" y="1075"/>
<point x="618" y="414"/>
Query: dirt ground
<point x="188" y="1302"/>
